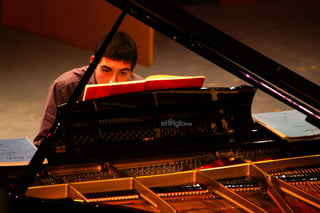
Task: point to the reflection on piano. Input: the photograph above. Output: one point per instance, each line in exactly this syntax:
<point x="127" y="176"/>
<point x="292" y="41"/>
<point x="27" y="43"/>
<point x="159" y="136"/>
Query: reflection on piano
<point x="183" y="150"/>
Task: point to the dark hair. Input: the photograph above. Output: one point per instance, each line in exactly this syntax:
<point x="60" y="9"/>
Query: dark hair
<point x="122" y="48"/>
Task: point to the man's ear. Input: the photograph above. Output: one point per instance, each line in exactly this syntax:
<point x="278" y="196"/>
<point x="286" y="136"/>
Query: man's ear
<point x="91" y="58"/>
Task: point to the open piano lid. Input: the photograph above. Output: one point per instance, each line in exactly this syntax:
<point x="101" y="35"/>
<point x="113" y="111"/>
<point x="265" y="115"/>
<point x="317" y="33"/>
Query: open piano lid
<point x="228" y="53"/>
<point x="212" y="44"/>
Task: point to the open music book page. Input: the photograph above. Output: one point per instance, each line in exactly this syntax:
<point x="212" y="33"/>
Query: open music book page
<point x="154" y="82"/>
<point x="289" y="125"/>
<point x="16" y="152"/>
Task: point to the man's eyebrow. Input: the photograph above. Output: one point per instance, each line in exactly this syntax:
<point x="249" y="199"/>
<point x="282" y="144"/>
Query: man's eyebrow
<point x="109" y="68"/>
<point x="106" y="67"/>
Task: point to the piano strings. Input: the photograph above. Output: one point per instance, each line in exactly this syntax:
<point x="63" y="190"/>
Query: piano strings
<point x="163" y="192"/>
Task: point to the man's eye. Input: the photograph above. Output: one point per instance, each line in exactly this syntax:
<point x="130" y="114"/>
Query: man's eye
<point x="124" y="73"/>
<point x="105" y="70"/>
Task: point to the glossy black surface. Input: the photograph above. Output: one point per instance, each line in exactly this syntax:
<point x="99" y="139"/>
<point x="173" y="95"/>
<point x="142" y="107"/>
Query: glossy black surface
<point x="228" y="53"/>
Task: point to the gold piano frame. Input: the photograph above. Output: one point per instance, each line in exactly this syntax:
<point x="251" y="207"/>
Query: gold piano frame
<point x="152" y="202"/>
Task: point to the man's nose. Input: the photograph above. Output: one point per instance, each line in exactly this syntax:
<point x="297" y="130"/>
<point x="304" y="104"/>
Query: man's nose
<point x="113" y="78"/>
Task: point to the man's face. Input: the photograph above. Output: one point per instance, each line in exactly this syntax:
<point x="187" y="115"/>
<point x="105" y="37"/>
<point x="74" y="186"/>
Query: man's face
<point x="110" y="71"/>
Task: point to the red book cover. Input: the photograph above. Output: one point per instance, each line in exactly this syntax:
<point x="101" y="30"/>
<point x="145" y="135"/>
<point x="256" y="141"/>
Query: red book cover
<point x="155" y="82"/>
<point x="94" y="91"/>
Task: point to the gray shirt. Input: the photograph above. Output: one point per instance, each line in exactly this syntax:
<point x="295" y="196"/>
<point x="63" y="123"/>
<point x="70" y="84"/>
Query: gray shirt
<point x="59" y="92"/>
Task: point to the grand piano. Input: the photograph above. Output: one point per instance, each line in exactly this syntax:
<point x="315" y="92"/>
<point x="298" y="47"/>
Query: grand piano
<point x="138" y="153"/>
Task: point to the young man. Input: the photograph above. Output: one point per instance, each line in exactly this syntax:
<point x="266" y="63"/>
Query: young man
<point x="116" y="65"/>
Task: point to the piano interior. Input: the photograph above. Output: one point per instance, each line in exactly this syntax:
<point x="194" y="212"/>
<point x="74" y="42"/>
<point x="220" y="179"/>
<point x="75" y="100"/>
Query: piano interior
<point x="221" y="166"/>
<point x="288" y="184"/>
<point x="182" y="150"/>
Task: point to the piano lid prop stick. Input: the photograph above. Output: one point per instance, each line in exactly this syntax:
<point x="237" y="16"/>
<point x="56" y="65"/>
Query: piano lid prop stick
<point x="48" y="142"/>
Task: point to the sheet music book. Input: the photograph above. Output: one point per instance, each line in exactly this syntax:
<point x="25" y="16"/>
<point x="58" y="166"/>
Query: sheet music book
<point x="154" y="82"/>
<point x="16" y="152"/>
<point x="289" y="125"/>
